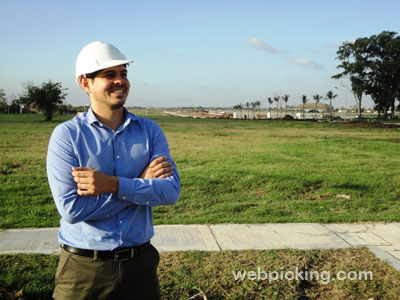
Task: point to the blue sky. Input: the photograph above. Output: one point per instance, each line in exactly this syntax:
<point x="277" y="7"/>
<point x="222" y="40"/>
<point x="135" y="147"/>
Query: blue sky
<point x="191" y="53"/>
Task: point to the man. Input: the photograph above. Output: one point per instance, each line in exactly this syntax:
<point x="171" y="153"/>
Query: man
<point x="107" y="168"/>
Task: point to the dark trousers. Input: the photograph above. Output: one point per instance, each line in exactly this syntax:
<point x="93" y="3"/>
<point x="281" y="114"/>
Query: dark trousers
<point x="80" y="277"/>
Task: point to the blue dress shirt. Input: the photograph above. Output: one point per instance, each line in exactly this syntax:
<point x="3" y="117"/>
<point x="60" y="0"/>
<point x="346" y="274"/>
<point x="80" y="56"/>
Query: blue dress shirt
<point x="108" y="221"/>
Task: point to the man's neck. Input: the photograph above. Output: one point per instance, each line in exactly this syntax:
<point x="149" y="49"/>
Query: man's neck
<point x="111" y="118"/>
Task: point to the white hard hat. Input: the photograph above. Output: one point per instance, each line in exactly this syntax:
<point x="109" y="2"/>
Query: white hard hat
<point x="97" y="56"/>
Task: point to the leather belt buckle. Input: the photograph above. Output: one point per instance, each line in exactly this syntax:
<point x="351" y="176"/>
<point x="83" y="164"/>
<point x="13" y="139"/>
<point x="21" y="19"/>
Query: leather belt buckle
<point x="123" y="255"/>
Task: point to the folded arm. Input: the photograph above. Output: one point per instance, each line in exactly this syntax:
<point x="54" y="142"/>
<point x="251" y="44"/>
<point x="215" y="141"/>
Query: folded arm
<point x="91" y="182"/>
<point x="149" y="189"/>
<point x="84" y="194"/>
<point x="72" y="206"/>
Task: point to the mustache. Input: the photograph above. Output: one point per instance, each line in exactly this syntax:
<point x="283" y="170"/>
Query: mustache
<point x="118" y="87"/>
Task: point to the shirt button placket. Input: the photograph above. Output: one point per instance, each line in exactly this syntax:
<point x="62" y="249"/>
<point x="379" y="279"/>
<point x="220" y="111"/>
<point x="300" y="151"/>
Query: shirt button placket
<point x="115" y="149"/>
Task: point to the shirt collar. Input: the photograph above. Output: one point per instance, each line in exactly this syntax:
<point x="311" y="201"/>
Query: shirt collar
<point x="129" y="116"/>
<point x="91" y="118"/>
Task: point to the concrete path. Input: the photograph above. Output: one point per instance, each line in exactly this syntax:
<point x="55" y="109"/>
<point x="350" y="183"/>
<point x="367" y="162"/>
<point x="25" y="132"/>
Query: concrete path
<point x="381" y="239"/>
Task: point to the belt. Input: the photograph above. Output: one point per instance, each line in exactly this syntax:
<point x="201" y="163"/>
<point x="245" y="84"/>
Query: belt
<point x="119" y="254"/>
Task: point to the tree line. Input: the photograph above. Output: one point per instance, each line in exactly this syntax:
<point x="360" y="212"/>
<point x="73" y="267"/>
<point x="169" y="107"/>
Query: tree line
<point x="47" y="98"/>
<point x="372" y="64"/>
<point x="329" y="96"/>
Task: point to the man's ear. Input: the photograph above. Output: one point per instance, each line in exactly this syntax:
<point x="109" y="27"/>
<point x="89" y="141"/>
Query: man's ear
<point x="84" y="82"/>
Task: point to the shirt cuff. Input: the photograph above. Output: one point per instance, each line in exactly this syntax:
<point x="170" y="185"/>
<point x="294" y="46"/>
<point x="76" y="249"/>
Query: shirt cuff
<point x="136" y="190"/>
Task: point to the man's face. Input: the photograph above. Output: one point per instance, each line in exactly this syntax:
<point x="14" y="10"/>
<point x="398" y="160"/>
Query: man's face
<point x="110" y="87"/>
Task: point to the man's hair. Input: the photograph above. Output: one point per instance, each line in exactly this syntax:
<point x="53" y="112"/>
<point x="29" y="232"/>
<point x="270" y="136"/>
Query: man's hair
<point x="94" y="74"/>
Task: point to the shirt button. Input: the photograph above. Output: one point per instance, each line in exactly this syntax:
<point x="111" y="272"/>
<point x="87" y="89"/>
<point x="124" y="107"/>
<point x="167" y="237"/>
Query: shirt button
<point x="101" y="125"/>
<point x="117" y="156"/>
<point x="121" y="222"/>
<point x="124" y="197"/>
<point x="147" y="202"/>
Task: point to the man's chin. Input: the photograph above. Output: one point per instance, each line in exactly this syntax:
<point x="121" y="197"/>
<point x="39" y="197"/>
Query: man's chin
<point x="118" y="103"/>
<point x="117" y="106"/>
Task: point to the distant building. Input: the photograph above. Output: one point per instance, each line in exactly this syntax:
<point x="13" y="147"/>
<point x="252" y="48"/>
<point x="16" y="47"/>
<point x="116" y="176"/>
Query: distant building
<point x="310" y="107"/>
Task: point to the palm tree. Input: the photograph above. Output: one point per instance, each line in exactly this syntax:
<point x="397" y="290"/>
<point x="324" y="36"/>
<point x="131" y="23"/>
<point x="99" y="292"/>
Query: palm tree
<point x="253" y="105"/>
<point x="270" y="103"/>
<point x="239" y="107"/>
<point x="304" y="100"/>
<point x="330" y="96"/>
<point x="258" y="103"/>
<point x="248" y="110"/>
<point x="317" y="98"/>
<point x="286" y="99"/>
<point x="277" y="102"/>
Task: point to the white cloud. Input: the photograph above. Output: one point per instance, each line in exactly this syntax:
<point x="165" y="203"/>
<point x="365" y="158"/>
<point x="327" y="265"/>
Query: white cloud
<point x="261" y="45"/>
<point x="265" y="46"/>
<point x="303" y="62"/>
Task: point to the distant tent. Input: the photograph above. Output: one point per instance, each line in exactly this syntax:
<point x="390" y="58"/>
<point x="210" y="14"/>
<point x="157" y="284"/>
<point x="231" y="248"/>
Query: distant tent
<point x="313" y="110"/>
<point x="310" y="107"/>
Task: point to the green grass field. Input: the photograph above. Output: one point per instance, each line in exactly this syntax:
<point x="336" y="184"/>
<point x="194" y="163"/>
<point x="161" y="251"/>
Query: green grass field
<point x="211" y="274"/>
<point x="231" y="172"/>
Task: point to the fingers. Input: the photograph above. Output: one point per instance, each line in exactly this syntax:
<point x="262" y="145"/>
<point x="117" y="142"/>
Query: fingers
<point x="157" y="161"/>
<point x="83" y="186"/>
<point x="166" y="175"/>
<point x="163" y="166"/>
<point x="82" y="169"/>
<point x="84" y="193"/>
<point x="163" y="171"/>
<point x="158" y="168"/>
<point x="78" y="172"/>
<point x="84" y="177"/>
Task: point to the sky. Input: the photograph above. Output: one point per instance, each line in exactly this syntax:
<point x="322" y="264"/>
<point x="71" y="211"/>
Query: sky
<point x="192" y="53"/>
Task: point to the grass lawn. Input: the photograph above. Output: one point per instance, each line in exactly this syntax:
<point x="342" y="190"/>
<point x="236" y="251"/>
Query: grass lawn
<point x="185" y="274"/>
<point x="231" y="172"/>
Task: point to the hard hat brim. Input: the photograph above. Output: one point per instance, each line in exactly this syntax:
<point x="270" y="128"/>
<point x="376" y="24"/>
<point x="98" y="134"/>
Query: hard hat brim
<point x="109" y="64"/>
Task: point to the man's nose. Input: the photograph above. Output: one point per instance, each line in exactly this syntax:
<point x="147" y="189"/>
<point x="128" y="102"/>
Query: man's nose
<point x="119" y="79"/>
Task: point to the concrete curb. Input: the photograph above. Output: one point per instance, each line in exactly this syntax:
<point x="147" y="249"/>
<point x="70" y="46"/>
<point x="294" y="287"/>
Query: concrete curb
<point x="383" y="239"/>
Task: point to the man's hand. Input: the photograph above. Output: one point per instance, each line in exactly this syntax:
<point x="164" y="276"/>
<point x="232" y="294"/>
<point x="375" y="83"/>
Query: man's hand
<point x="158" y="168"/>
<point x="93" y="182"/>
